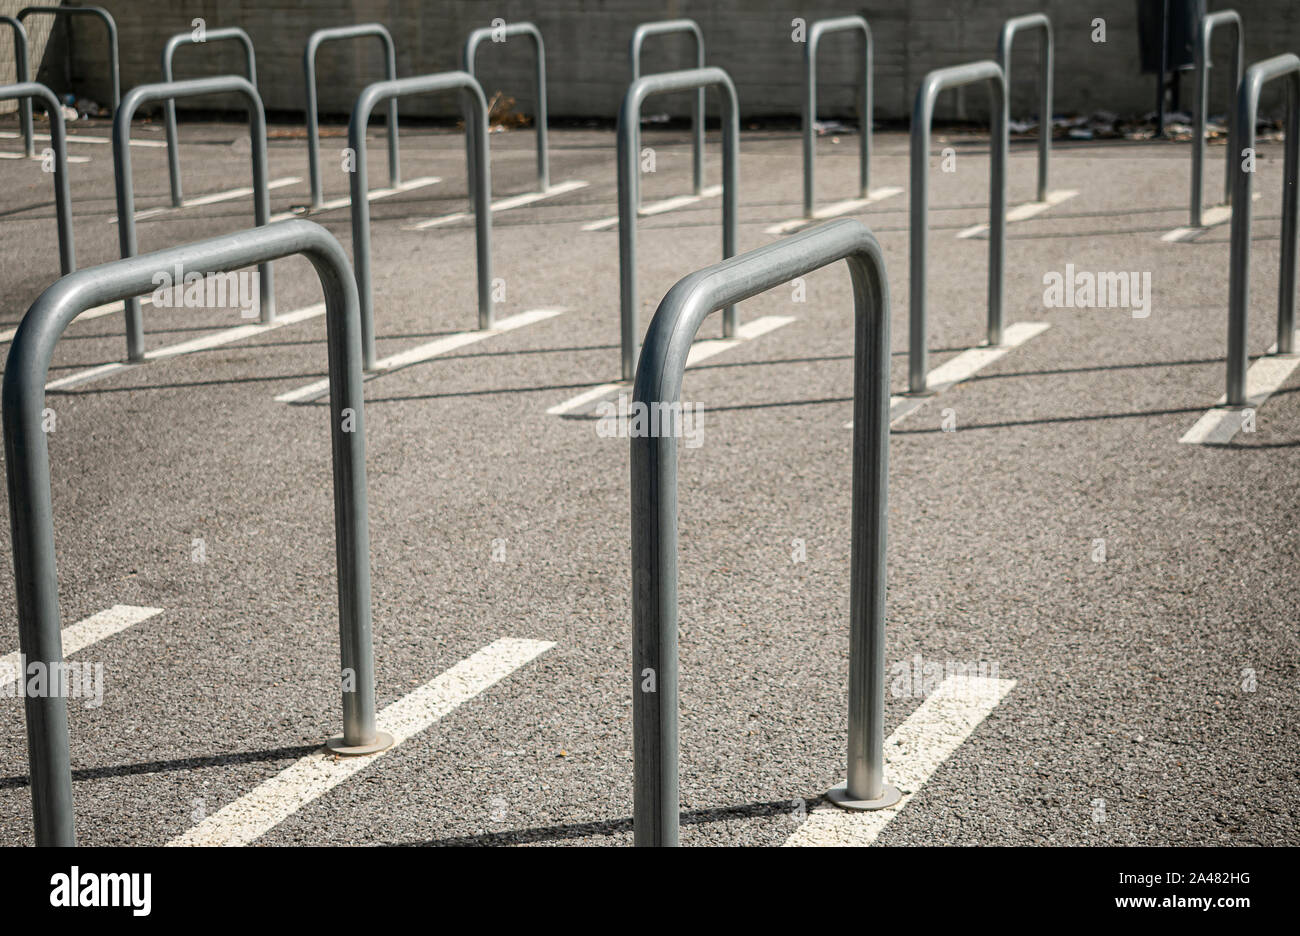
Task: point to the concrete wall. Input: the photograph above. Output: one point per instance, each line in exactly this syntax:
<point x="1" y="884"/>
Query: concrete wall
<point x="587" y="50"/>
<point x="38" y="34"/>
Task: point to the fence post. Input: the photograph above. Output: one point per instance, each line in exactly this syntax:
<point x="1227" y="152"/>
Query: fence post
<point x="144" y="94"/>
<point x="1243" y="136"/>
<point x="865" y="109"/>
<point x="27" y="466"/>
<point x="539" y="87"/>
<point x="922" y="112"/>
<point x="314" y="41"/>
<point x="475" y="109"/>
<point x="629" y="187"/>
<point x="114" y="66"/>
<point x="1202" y="52"/>
<point x="697" y="114"/>
<point x="1045" y="57"/>
<point x="169" y="106"/>
<point x="654" y="514"/>
<point x="59" y="143"/>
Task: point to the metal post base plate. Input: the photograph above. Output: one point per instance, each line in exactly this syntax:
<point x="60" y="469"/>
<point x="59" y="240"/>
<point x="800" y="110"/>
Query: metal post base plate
<point x="383" y="741"/>
<point x="839" y="795"/>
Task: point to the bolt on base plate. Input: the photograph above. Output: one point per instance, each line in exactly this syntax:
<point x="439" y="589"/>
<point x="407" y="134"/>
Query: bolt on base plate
<point x="383" y="741"/>
<point x="839" y="795"/>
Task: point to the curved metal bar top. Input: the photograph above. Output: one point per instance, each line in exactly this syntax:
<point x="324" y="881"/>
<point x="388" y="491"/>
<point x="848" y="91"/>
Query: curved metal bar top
<point x="539" y="84"/>
<point x="815" y="33"/>
<point x="145" y="94"/>
<point x="629" y="186"/>
<point x="22" y="75"/>
<point x="474" y="105"/>
<point x="59" y="140"/>
<point x="654" y="513"/>
<point x="114" y="64"/>
<point x="697" y="112"/>
<point x="314" y="42"/>
<point x="1204" y="36"/>
<point x="1045" y="57"/>
<point x="169" y="107"/>
<point x="922" y="112"/>
<point x="1243" y="137"/>
<point x="27" y="465"/>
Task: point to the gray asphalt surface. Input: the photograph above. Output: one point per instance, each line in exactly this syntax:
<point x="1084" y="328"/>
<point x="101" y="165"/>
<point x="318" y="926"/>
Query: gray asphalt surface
<point x="1130" y="672"/>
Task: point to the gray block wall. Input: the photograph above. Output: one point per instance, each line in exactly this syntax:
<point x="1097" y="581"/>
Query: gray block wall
<point x="587" y="50"/>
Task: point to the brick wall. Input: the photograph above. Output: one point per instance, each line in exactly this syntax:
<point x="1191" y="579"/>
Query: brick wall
<point x="587" y="42"/>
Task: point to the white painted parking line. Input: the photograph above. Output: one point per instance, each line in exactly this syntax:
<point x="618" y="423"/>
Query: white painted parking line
<point x="913" y="753"/>
<point x="212" y="199"/>
<point x="1219" y="425"/>
<point x="659" y="207"/>
<point x="963" y="366"/>
<point x="426" y="351"/>
<point x="834" y="210"/>
<point x="81" y="635"/>
<point x="700" y="351"/>
<point x="1210" y="217"/>
<point x="1023" y="212"/>
<point x="502" y="204"/>
<point x="71" y="159"/>
<point x="253" y="815"/>
<point x="213" y="340"/>
<point x="373" y="195"/>
<point x="75" y="138"/>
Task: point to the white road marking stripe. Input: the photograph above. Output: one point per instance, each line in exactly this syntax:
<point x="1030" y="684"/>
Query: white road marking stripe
<point x="426" y="351"/>
<point x="502" y="204"/>
<point x="659" y="207"/>
<point x="1210" y="217"/>
<point x="271" y="802"/>
<point x="75" y="138"/>
<point x="1024" y="212"/>
<point x="700" y="351"/>
<point x="81" y="635"/>
<point x="71" y="159"/>
<point x="1219" y="425"/>
<point x="913" y="753"/>
<point x="834" y="210"/>
<point x="212" y="340"/>
<point x="963" y="366"/>
<point x="212" y="199"/>
<point x="373" y="195"/>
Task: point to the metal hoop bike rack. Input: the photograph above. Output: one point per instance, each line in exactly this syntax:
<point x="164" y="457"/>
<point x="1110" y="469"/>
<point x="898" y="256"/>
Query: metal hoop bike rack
<point x="1243" y="136"/>
<point x="195" y="87"/>
<point x="114" y="66"/>
<point x="169" y="107"/>
<point x="815" y="33"/>
<point x="1204" y="36"/>
<point x="539" y="85"/>
<point x="22" y="75"/>
<point x="1045" y="58"/>
<point x="28" y="469"/>
<point x="314" y="42"/>
<point x="922" y="113"/>
<point x="629" y="187"/>
<point x="654" y="514"/>
<point x="697" y="112"/>
<point x="59" y="143"/>
<point x="474" y="105"/>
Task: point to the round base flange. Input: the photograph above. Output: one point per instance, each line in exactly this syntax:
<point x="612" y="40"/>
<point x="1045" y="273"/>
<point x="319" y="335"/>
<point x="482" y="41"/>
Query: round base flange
<point x="839" y="795"/>
<point x="927" y="392"/>
<point x="383" y="741"/>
